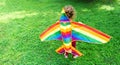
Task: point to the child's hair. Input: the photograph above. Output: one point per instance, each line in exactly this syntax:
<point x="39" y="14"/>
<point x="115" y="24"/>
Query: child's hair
<point x="70" y="11"/>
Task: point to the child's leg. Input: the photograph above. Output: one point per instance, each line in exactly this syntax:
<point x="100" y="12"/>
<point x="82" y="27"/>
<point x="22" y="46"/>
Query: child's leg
<point x="74" y="45"/>
<point x="66" y="54"/>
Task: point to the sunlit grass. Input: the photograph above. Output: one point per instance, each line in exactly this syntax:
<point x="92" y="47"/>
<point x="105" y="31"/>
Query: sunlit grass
<point x="107" y="7"/>
<point x="2" y="3"/>
<point x="5" y="17"/>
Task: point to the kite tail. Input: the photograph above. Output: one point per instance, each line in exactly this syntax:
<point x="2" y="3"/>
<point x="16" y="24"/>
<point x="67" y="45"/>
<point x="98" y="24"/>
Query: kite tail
<point x="75" y="52"/>
<point x="72" y="50"/>
<point x="60" y="50"/>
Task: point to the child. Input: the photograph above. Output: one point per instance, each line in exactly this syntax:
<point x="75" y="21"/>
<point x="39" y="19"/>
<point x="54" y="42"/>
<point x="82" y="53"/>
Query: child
<point x="70" y="12"/>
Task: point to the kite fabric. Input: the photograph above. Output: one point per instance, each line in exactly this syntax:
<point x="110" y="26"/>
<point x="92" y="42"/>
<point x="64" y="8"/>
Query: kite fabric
<point x="68" y="31"/>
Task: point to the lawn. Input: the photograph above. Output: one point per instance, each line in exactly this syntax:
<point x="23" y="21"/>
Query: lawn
<point x="22" y="21"/>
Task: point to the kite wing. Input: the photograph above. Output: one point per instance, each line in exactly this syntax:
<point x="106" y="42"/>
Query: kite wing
<point x="86" y="33"/>
<point x="52" y="33"/>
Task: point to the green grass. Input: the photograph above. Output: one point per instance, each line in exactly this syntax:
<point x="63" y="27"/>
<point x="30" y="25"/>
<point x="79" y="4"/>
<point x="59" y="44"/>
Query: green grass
<point x="22" y="21"/>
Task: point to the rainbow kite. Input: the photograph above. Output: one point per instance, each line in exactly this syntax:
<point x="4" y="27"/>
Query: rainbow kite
<point x="68" y="31"/>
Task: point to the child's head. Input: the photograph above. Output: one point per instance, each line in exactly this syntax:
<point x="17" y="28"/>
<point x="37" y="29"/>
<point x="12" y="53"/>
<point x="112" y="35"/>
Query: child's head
<point x="70" y="12"/>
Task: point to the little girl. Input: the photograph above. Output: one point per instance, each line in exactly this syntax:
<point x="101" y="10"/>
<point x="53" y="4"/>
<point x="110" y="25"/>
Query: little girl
<point x="70" y="12"/>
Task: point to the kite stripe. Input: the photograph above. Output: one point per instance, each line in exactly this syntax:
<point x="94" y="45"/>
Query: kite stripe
<point x="90" y="32"/>
<point x="54" y="28"/>
<point x="92" y="29"/>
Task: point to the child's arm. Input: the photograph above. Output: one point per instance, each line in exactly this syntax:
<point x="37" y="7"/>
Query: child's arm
<point x="57" y="21"/>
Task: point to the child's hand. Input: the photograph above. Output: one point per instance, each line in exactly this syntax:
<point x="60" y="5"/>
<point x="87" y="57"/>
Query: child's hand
<point x="80" y="22"/>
